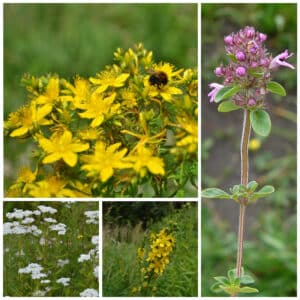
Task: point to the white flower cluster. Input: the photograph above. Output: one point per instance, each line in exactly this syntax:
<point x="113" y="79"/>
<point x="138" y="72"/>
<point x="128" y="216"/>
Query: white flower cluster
<point x="89" y="293"/>
<point x="34" y="269"/>
<point x="96" y="271"/>
<point x="65" y="281"/>
<point x="92" y="216"/>
<point x="93" y="252"/>
<point x="50" y="220"/>
<point x="60" y="228"/>
<point x="62" y="262"/>
<point x="16" y="228"/>
<point x="20" y="213"/>
<point x="47" y="209"/>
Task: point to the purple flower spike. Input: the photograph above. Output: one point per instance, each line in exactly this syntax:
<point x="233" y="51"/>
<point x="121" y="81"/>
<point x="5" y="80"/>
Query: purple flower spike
<point x="240" y="56"/>
<point x="279" y="60"/>
<point x="228" y="40"/>
<point x="240" y="71"/>
<point x="219" y="71"/>
<point x="251" y="102"/>
<point x="215" y="88"/>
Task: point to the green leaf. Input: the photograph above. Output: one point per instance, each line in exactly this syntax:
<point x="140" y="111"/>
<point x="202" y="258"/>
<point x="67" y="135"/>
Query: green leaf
<point x="252" y="186"/>
<point x="215" y="288"/>
<point x="215" y="193"/>
<point x="227" y="106"/>
<point x="261" y="122"/>
<point x="276" y="88"/>
<point x="221" y="279"/>
<point x="231" y="274"/>
<point x="248" y="290"/>
<point x="226" y="92"/>
<point x="247" y="279"/>
<point x="264" y="192"/>
<point x="232" y="57"/>
<point x="255" y="72"/>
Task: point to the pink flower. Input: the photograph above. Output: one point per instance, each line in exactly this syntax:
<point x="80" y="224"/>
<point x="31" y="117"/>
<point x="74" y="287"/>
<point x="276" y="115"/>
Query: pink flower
<point x="219" y="72"/>
<point x="251" y="102"/>
<point x="215" y="88"/>
<point x="228" y="40"/>
<point x="240" y="71"/>
<point x="279" y="60"/>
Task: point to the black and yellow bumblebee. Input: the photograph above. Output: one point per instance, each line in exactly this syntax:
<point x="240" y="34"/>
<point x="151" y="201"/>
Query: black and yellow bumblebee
<point x="158" y="78"/>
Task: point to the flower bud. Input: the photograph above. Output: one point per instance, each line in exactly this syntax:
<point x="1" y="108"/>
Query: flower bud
<point x="228" y="40"/>
<point x="219" y="71"/>
<point x="262" y="37"/>
<point x="250" y="32"/>
<point x="240" y="71"/>
<point x="251" y="102"/>
<point x="253" y="50"/>
<point x="240" y="56"/>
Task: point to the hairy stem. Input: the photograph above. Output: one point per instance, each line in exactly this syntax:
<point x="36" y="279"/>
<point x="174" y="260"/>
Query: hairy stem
<point x="244" y="181"/>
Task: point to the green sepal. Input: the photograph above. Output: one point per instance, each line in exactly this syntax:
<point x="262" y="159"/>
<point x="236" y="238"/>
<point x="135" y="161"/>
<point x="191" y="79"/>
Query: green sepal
<point x="227" y="106"/>
<point x="226" y="92"/>
<point x="276" y="88"/>
<point x="215" y="193"/>
<point x="260" y="122"/>
<point x="255" y="72"/>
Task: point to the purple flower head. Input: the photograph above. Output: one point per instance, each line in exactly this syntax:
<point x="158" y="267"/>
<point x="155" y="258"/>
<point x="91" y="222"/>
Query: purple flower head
<point x="240" y="55"/>
<point x="240" y="71"/>
<point x="219" y="71"/>
<point x="280" y="60"/>
<point x="251" y="102"/>
<point x="215" y="88"/>
<point x="228" y="40"/>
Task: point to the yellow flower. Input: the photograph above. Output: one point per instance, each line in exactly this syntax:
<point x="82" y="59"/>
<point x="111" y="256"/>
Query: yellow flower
<point x="108" y="78"/>
<point x="188" y="137"/>
<point x="129" y="98"/>
<point x="98" y="108"/>
<point x="140" y="253"/>
<point x="104" y="160"/>
<point x="27" y="118"/>
<point x="90" y="134"/>
<point x="51" y="93"/>
<point x="61" y="146"/>
<point x="254" y="144"/>
<point x="80" y="92"/>
<point x="143" y="158"/>
<point x="50" y="187"/>
<point x="26" y="175"/>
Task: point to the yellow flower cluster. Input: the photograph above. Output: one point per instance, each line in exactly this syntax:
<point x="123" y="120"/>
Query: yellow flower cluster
<point x="106" y="135"/>
<point x="154" y="263"/>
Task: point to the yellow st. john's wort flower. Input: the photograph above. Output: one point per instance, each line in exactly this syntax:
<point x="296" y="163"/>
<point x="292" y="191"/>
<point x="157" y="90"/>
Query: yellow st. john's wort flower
<point x="108" y="78"/>
<point x="143" y="159"/>
<point x="104" y="160"/>
<point x="165" y="89"/>
<point x="51" y="93"/>
<point x="99" y="108"/>
<point x="140" y="253"/>
<point x="61" y="146"/>
<point x="50" y="187"/>
<point x="27" y="118"/>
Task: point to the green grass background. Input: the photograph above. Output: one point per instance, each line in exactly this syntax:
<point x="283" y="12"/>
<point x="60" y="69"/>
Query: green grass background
<point x="70" y="39"/>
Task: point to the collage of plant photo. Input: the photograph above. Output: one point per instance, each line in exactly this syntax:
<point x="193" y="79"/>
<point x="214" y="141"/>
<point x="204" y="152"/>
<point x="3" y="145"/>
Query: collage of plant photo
<point x="105" y="193"/>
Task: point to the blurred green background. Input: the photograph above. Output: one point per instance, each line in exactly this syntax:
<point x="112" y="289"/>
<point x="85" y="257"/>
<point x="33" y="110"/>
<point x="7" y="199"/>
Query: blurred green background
<point x="70" y="39"/>
<point x="270" y="247"/>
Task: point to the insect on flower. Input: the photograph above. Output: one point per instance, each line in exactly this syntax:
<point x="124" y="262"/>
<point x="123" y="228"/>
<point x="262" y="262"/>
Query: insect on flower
<point x="157" y="78"/>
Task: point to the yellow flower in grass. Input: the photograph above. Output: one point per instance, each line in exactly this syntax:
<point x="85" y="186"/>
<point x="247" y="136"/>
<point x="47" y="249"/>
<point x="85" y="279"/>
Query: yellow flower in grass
<point x="50" y="187"/>
<point x="140" y="253"/>
<point x="98" y="108"/>
<point x="27" y="118"/>
<point x="104" y="160"/>
<point x="62" y="146"/>
<point x="108" y="78"/>
<point x="143" y="159"/>
<point x="51" y="93"/>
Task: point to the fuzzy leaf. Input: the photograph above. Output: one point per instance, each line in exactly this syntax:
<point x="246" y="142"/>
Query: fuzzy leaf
<point x="215" y="288"/>
<point x="264" y="192"/>
<point x="247" y="279"/>
<point x="215" y="193"/>
<point x="252" y="186"/>
<point x="226" y="92"/>
<point x="261" y="122"/>
<point x="221" y="279"/>
<point x="276" y="88"/>
<point x="227" y="106"/>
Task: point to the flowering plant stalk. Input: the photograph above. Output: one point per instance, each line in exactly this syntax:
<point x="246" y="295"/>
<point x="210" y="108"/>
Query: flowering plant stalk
<point x="246" y="83"/>
<point x="131" y="128"/>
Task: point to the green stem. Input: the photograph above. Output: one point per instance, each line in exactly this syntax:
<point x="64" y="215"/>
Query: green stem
<point x="244" y="181"/>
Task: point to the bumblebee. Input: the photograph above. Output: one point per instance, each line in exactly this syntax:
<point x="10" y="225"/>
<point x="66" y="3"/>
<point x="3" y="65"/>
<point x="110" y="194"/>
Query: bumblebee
<point x="158" y="78"/>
